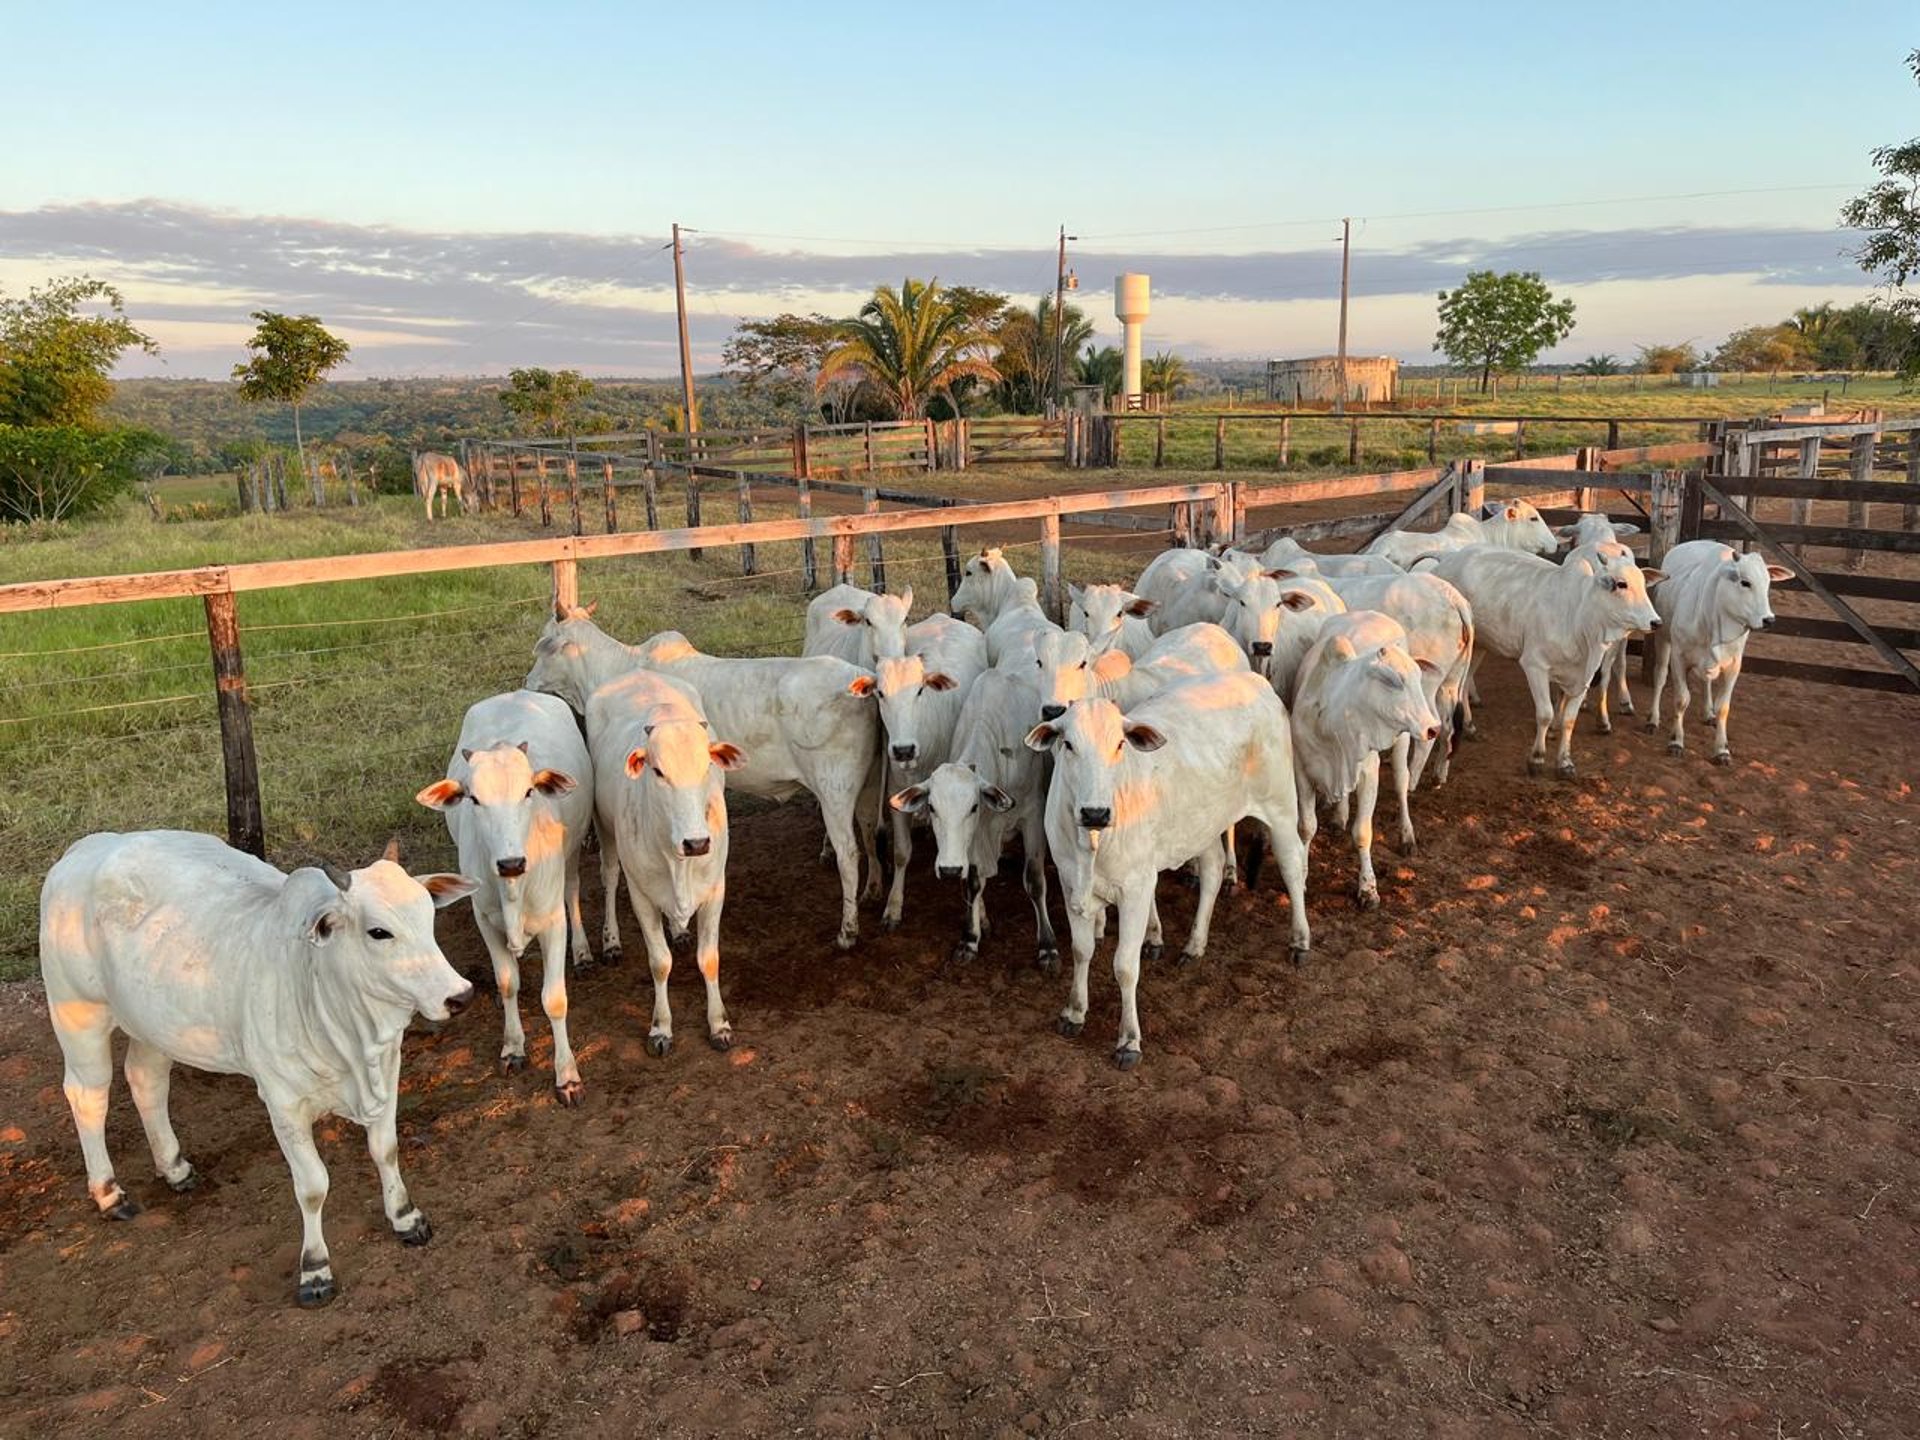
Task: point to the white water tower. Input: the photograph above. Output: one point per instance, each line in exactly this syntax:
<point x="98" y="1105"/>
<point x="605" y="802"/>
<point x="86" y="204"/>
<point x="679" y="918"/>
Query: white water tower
<point x="1130" y="308"/>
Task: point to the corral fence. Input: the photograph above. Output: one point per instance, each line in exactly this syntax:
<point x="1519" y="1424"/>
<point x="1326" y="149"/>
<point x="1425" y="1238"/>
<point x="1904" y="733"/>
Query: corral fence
<point x="1670" y="503"/>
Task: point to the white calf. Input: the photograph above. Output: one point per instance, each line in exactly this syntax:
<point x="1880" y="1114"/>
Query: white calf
<point x="1112" y="617"/>
<point x="1439" y="625"/>
<point x="1711" y="600"/>
<point x="517" y="799"/>
<point x="1065" y="669"/>
<point x="1359" y="692"/>
<point x="1274" y="616"/>
<point x="1556" y="620"/>
<point x="1134" y="794"/>
<point x="208" y="957"/>
<point x="660" y="810"/>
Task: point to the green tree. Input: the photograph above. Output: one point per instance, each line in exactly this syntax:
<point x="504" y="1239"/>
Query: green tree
<point x="1500" y="321"/>
<point x="911" y="345"/>
<point x="287" y="356"/>
<point x="548" y="400"/>
<point x="1763" y="347"/>
<point x="1164" y="374"/>
<point x="781" y="358"/>
<point x="1602" y="364"/>
<point x="56" y="357"/>
<point x="1668" y="359"/>
<point x="68" y="472"/>
<point x="1026" y="347"/>
<point x="1888" y="211"/>
<point x="1101" y="365"/>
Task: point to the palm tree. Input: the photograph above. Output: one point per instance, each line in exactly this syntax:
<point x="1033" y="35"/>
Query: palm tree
<point x="1104" y="366"/>
<point x="1025" y="349"/>
<point x="1164" y="374"/>
<point x="910" y="345"/>
<point x="1604" y="364"/>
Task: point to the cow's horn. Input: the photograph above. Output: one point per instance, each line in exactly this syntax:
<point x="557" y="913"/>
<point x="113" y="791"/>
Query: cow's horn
<point x="342" y="879"/>
<point x="392" y="852"/>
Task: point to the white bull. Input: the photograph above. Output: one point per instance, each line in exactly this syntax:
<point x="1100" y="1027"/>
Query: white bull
<point x="1137" y="793"/>
<point x="439" y="475"/>
<point x="1711" y="601"/>
<point x="660" y="810"/>
<point x="207" y="957"/>
<point x="517" y="799"/>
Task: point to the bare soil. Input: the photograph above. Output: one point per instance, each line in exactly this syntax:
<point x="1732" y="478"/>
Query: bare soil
<point x="1603" y="1124"/>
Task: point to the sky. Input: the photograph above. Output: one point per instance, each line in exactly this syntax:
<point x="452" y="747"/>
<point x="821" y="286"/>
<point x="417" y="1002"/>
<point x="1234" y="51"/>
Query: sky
<point x="459" y="189"/>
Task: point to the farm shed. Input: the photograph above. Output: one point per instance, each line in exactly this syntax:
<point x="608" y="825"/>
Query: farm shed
<point x="1371" y="379"/>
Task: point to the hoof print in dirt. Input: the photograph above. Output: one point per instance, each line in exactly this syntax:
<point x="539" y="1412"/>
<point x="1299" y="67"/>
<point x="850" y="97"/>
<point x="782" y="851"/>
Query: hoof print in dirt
<point x="416" y="1234"/>
<point x="659" y="1045"/>
<point x="1069" y="1028"/>
<point x="1125" y="1059"/>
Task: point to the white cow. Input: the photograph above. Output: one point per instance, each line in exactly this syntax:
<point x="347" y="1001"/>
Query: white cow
<point x="1140" y="792"/>
<point x="799" y="720"/>
<point x="1711" y="601"/>
<point x="1187" y="584"/>
<point x="208" y="957"/>
<point x="987" y="587"/>
<point x="1507" y="525"/>
<point x="1287" y="553"/>
<point x="858" y="626"/>
<point x="660" y="810"/>
<point x="1112" y="617"/>
<point x="1359" y="692"/>
<point x="992" y="788"/>
<point x="920" y="698"/>
<point x="1019" y="625"/>
<point x="1556" y="620"/>
<point x="1065" y="669"/>
<point x="1274" y="616"/>
<point x="439" y="475"/>
<point x="1592" y="528"/>
<point x="517" y="799"/>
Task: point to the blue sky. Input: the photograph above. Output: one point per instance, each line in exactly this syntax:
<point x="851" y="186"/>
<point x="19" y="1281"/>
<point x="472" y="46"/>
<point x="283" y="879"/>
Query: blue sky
<point x="463" y="188"/>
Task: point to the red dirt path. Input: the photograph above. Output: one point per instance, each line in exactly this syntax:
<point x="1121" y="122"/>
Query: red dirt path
<point x="1602" y="1125"/>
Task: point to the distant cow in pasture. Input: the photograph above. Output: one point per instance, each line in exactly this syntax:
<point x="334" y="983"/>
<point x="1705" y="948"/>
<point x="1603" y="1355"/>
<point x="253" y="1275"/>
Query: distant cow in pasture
<point x="205" y="956"/>
<point x="439" y="475"/>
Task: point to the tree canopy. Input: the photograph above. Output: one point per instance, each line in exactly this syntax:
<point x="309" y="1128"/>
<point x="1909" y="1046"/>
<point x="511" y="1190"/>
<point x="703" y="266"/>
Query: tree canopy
<point x="58" y="346"/>
<point x="1889" y="211"/>
<point x="1500" y="322"/>
<point x="915" y="343"/>
<point x="287" y="356"/>
<point x="1763" y="347"/>
<point x="1164" y="374"/>
<point x="548" y="400"/>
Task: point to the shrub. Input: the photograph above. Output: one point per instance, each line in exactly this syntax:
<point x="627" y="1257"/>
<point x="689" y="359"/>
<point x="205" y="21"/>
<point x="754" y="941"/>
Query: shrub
<point x="66" y="472"/>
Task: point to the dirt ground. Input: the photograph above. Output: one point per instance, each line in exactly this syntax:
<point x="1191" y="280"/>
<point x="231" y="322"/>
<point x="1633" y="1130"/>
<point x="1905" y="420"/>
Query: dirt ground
<point x="1603" y="1124"/>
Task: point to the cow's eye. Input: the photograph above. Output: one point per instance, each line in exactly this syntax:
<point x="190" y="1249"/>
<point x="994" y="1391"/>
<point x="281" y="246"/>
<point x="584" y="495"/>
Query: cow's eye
<point x="1083" y="664"/>
<point x="976" y="808"/>
<point x="1746" y="584"/>
<point x="379" y="932"/>
<point x="1068" y="744"/>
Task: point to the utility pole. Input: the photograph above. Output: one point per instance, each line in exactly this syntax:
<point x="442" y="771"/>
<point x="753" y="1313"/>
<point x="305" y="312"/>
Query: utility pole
<point x="1060" y="320"/>
<point x="686" y="351"/>
<point x="1346" y="253"/>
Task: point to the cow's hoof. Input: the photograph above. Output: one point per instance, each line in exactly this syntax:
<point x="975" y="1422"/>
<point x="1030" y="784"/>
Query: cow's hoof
<point x="1535" y="764"/>
<point x="1047" y="960"/>
<point x="124" y="1209"/>
<point x="1367" y="899"/>
<point x="1069" y="1028"/>
<point x="1409" y="846"/>
<point x="314" y="1292"/>
<point x="1676" y="749"/>
<point x="1151" y="951"/>
<point x="720" y="1039"/>
<point x="889" y="923"/>
<point x="1606" y="727"/>
<point x="570" y="1094"/>
<point x="1652" y="726"/>
<point x="611" y="955"/>
<point x="187" y="1182"/>
<point x="1298" y="955"/>
<point x="1626" y="707"/>
<point x="512" y="1064"/>
<point x="418" y="1233"/>
<point x="1566" y="770"/>
<point x="1188" y="957"/>
<point x="658" y="1045"/>
<point x="1472" y="732"/>
<point x="1725" y="757"/>
<point x="846" y="940"/>
<point x="1125" y="1058"/>
<point x="965" y="954"/>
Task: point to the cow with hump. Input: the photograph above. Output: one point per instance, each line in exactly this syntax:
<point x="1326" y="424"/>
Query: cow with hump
<point x="1136" y="793"/>
<point x="1711" y="601"/>
<point x="208" y="957"/>
<point x="517" y="799"/>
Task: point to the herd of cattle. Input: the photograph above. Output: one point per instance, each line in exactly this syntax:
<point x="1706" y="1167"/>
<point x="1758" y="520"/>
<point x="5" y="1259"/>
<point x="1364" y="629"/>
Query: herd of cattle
<point x="1219" y="688"/>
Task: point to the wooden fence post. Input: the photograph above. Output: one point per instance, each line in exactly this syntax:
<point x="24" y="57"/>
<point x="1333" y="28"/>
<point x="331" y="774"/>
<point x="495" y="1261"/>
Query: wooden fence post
<point x="693" y="506"/>
<point x="1586" y="460"/>
<point x="1219" y="442"/>
<point x="353" y="484"/>
<point x="930" y="445"/>
<point x="246" y="829"/>
<point x="1286" y="441"/>
<point x="1519" y="439"/>
<point x="876" y="548"/>
<point x="1433" y="442"/>
<point x="1050" y="591"/>
<point x="546" y="498"/>
<point x="802" y="462"/>
<point x="1473" y="486"/>
<point x="1114" y="430"/>
<point x="513" y="482"/>
<point x="1239" y="506"/>
<point x="1220" y="514"/>
<point x="1910" y="512"/>
<point x="240" y="483"/>
<point x="1353" y="441"/>
<point x="280" y="482"/>
<point x="1160" y="443"/>
<point x="746" y="518"/>
<point x="809" y="558"/>
<point x="1862" y="471"/>
<point x="843" y="559"/>
<point x="1613" y="434"/>
<point x="650" y="490"/>
<point x="950" y="553"/>
<point x="1180" y="524"/>
<point x="573" y="489"/>
<point x="566" y="585"/>
<point x="607" y="496"/>
<point x="866" y="440"/>
<point x="1808" y="468"/>
<point x="1665" y="505"/>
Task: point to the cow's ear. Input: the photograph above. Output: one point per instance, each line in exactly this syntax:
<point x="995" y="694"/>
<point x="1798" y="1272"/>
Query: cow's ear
<point x="320" y="902"/>
<point x="1112" y="665"/>
<point x="1281" y="574"/>
<point x="1513" y="512"/>
<point x="636" y="762"/>
<point x="1426" y="665"/>
<point x="521" y="747"/>
<point x="1140" y="607"/>
<point x="442" y="793"/>
<point x="1779" y="573"/>
<point x="553" y="782"/>
<point x="1042" y="736"/>
<point x="465" y="753"/>
<point x="1342" y="649"/>
<point x="910" y="801"/>
<point x="848" y="617"/>
<point x="1144" y="737"/>
<point x="1074" y="593"/>
<point x="726" y="754"/>
<point x="906" y="597"/>
<point x="939" y="680"/>
<point x="1621" y="529"/>
<point x="1298" y="600"/>
<point x="445" y="889"/>
<point x="996" y="799"/>
<point x="1653" y="577"/>
<point x="862" y="685"/>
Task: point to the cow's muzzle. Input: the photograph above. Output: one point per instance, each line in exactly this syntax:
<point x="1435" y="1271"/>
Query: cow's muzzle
<point x="905" y="753"/>
<point x="459" y="1001"/>
<point x="1767" y="623"/>
<point x="694" y="848"/>
<point x="1052" y="712"/>
<point x="1261" y="648"/>
<point x="1095" y="817"/>
<point x="949" y="872"/>
<point x="511" y="868"/>
<point x="1656" y="623"/>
